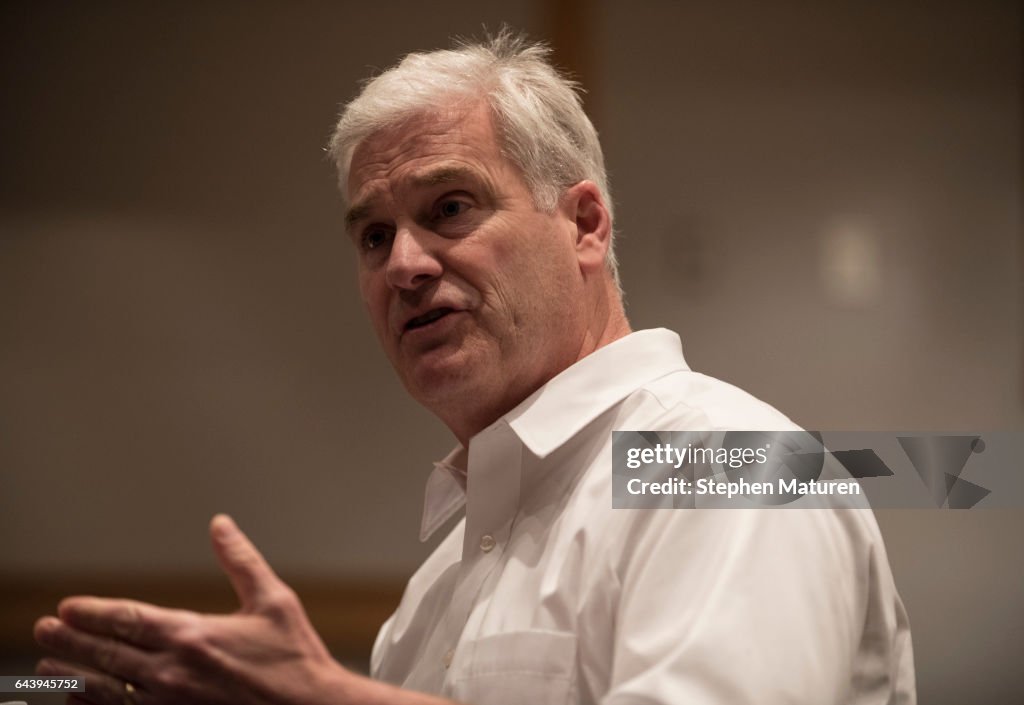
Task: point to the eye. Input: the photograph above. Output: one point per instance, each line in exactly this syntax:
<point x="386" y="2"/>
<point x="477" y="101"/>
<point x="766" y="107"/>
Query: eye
<point x="374" y="237"/>
<point x="450" y="208"/>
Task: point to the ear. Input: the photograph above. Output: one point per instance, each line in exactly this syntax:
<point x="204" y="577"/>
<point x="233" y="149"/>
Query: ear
<point x="585" y="207"/>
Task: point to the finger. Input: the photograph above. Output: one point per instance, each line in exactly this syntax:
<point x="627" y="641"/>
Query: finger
<point x="100" y="688"/>
<point x="253" y="579"/>
<point x="138" y="623"/>
<point x="100" y="653"/>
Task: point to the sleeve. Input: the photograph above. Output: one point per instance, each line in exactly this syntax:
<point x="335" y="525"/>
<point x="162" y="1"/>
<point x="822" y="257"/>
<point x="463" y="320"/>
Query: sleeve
<point x="758" y="606"/>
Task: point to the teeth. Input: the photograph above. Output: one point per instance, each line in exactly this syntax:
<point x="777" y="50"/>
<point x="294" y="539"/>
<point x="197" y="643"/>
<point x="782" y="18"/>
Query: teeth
<point x="428" y="317"/>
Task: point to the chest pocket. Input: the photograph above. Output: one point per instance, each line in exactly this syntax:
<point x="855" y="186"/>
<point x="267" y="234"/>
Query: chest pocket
<point x="536" y="667"/>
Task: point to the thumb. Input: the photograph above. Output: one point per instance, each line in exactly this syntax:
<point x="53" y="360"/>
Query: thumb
<point x="250" y="574"/>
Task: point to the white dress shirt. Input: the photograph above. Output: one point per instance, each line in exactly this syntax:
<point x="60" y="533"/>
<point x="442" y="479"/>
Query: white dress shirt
<point x="545" y="594"/>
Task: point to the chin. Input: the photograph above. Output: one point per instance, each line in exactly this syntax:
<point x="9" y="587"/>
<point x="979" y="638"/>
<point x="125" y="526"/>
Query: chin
<point x="439" y="380"/>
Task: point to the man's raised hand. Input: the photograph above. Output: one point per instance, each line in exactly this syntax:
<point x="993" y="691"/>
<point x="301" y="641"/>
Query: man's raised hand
<point x="132" y="652"/>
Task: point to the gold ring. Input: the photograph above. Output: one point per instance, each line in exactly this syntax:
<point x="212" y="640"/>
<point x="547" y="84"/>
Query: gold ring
<point x="129" y="693"/>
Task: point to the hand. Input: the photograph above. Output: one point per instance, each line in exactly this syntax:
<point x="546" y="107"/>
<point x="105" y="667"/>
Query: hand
<point x="267" y="652"/>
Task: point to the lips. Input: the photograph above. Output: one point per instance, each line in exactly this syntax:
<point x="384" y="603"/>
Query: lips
<point x="427" y="318"/>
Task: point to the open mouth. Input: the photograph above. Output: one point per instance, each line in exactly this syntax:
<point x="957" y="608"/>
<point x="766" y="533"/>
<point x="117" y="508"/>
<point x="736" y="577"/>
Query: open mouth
<point x="427" y="318"/>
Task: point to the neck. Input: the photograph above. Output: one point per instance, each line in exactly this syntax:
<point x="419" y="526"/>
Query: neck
<point x="606" y="323"/>
<point x="609" y="322"/>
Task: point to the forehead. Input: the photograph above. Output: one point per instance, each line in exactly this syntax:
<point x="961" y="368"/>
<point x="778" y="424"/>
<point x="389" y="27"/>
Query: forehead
<point x="453" y="140"/>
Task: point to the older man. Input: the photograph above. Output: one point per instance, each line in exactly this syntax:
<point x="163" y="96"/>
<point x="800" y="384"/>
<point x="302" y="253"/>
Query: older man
<point x="479" y="211"/>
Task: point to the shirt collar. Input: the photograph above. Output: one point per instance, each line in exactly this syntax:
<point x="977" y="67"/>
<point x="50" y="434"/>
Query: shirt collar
<point x="560" y="409"/>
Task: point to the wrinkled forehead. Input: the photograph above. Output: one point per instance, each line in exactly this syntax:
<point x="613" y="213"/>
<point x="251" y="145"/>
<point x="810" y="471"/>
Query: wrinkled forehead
<point x="459" y="132"/>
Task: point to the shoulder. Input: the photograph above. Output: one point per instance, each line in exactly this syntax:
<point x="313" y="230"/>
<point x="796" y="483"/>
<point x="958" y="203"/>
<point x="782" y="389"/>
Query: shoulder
<point x="692" y="397"/>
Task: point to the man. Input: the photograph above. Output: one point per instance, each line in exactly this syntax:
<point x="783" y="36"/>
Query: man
<point x="479" y="210"/>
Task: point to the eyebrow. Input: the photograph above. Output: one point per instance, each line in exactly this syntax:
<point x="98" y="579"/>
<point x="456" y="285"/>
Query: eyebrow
<point x="444" y="175"/>
<point x="432" y="177"/>
<point x="356" y="214"/>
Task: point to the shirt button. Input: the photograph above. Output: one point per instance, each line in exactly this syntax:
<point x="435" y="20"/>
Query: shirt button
<point x="487" y="543"/>
<point x="448" y="656"/>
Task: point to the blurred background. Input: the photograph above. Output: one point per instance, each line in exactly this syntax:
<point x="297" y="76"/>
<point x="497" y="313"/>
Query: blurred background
<point x="824" y="199"/>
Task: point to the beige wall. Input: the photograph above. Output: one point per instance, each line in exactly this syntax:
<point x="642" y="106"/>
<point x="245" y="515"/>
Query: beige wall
<point x="181" y="334"/>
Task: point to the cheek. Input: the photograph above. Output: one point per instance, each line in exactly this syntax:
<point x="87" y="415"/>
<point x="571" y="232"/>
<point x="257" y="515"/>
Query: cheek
<point x="523" y="249"/>
<point x="542" y="262"/>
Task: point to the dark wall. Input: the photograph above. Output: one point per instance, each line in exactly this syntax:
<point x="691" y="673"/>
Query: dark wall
<point x="824" y="199"/>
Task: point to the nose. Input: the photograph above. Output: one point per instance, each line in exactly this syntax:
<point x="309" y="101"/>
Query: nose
<point x="411" y="262"/>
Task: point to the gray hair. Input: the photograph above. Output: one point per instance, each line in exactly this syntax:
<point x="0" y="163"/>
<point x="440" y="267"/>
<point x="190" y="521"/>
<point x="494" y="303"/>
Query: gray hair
<point x="538" y="113"/>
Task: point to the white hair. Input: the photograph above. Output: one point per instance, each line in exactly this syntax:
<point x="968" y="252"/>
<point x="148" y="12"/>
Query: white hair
<point x="538" y="113"/>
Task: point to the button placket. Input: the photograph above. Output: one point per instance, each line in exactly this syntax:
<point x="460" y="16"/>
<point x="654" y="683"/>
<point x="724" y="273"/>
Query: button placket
<point x="492" y="495"/>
